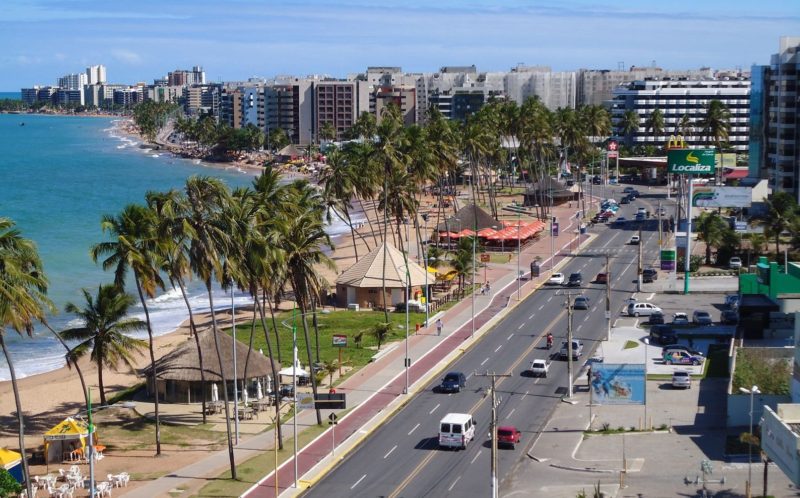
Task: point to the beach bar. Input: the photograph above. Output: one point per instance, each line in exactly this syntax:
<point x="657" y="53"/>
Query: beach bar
<point x="179" y="381"/>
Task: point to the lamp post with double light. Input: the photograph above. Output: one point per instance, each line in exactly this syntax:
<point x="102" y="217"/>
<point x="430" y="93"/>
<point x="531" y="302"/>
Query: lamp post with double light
<point x="752" y="392"/>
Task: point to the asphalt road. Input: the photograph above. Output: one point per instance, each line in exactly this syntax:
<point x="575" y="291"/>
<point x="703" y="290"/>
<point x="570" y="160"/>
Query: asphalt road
<point x="402" y="458"/>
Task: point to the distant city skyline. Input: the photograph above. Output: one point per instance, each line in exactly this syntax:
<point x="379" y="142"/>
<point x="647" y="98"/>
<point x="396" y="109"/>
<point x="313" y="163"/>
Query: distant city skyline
<point x="45" y="39"/>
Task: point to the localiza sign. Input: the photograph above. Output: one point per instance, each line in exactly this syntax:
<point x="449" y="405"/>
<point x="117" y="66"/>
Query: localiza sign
<point x="691" y="161"/>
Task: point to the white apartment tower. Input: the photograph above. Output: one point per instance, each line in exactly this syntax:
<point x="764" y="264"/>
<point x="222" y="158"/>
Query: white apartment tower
<point x="96" y="75"/>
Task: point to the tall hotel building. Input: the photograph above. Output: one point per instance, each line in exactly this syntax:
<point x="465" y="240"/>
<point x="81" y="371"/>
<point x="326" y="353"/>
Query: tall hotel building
<point x="775" y="107"/>
<point x="679" y="98"/>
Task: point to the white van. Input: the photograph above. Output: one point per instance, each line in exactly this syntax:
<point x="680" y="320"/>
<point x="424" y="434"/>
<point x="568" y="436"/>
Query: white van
<point x="456" y="430"/>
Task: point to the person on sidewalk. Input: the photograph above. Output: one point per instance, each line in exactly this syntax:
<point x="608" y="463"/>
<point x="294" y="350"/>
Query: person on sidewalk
<point x="439" y="326"/>
<point x="589" y="376"/>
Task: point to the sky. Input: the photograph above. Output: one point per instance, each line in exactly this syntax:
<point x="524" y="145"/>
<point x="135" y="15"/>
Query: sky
<point x="233" y="40"/>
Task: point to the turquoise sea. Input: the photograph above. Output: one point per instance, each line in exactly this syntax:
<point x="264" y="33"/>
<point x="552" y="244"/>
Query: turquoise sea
<point x="58" y="176"/>
<point x="10" y="95"/>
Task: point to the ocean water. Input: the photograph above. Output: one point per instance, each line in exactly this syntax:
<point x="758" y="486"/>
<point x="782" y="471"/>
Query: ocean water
<point x="58" y="176"/>
<point x="10" y="95"/>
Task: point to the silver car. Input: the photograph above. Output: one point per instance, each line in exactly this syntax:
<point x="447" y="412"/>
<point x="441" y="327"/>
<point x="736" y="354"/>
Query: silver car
<point x="682" y="379"/>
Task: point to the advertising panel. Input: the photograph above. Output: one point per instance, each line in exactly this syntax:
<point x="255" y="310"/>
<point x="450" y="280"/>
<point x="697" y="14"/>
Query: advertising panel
<point x="668" y="259"/>
<point x="339" y="341"/>
<point x="618" y="383"/>
<point x="554" y="228"/>
<point x="716" y="197"/>
<point x="691" y="161"/>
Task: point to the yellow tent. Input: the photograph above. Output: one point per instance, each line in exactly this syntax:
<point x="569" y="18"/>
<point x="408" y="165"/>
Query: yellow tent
<point x="11" y="461"/>
<point x="68" y="435"/>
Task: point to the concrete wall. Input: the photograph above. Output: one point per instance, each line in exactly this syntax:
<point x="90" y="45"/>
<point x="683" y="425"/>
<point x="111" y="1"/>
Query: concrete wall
<point x="780" y="442"/>
<point x="739" y="407"/>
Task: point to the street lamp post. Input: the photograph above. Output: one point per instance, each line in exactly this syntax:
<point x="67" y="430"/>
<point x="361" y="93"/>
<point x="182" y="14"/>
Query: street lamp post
<point x="519" y="253"/>
<point x="752" y="392"/>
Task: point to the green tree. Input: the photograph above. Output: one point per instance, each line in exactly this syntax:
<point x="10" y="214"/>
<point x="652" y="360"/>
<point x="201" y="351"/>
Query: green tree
<point x="462" y="262"/>
<point x="711" y="229"/>
<point x="105" y="330"/>
<point x="655" y="123"/>
<point x="629" y="124"/>
<point x="23" y="301"/>
<point x="782" y="211"/>
<point x="381" y="331"/>
<point x="133" y="246"/>
<point x="277" y="139"/>
<point x="328" y="131"/>
<point x="9" y="487"/>
<point x="715" y="126"/>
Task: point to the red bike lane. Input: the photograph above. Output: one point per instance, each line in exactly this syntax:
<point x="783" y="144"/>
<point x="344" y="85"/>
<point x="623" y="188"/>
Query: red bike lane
<point x="313" y="453"/>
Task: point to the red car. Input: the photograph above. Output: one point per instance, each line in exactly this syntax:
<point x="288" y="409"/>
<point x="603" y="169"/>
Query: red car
<point x="602" y="278"/>
<point x="508" y="435"/>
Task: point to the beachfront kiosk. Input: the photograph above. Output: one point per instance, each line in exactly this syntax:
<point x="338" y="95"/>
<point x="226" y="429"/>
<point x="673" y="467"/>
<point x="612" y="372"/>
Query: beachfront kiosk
<point x="66" y="441"/>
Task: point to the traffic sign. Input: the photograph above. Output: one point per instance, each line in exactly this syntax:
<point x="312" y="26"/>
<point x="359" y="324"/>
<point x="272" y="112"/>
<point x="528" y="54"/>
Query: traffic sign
<point x="485" y="257"/>
<point x="332" y="417"/>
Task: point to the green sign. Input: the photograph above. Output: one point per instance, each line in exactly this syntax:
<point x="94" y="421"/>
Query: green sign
<point x="668" y="259"/>
<point x="691" y="161"/>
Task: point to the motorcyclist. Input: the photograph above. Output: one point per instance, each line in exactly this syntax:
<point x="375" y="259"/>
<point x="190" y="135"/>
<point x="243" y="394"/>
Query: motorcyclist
<point x="549" y="340"/>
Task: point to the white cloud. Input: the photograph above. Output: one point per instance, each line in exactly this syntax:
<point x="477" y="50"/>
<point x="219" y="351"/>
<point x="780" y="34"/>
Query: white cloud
<point x="126" y="56"/>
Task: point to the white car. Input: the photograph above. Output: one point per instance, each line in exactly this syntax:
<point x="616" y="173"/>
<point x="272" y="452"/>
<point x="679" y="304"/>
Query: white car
<point x="634" y="240"/>
<point x="641" y="210"/>
<point x="680" y="318"/>
<point x="556" y="279"/>
<point x="735" y="263"/>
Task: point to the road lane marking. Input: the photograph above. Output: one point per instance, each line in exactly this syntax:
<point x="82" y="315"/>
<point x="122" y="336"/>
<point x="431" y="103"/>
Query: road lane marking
<point x="390" y="452"/>
<point x="484" y="361"/>
<point x="579" y="327"/>
<point x="527" y="392"/>
<point x="549" y="298"/>
<point x="454" y="484"/>
<point x="509" y="337"/>
<point x="475" y="457"/>
<point x="636" y="323"/>
<point x="412" y="430"/>
<point x="511" y="412"/>
<point x="615" y="322"/>
<point x="541" y="307"/>
<point x="520" y="326"/>
<point x="358" y="481"/>
<point x="498" y="348"/>
<point x="434" y="409"/>
<point x="651" y="296"/>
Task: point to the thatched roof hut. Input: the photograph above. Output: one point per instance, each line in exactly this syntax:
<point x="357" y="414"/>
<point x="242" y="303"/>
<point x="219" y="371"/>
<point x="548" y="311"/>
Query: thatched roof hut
<point x="543" y="190"/>
<point x="179" y="370"/>
<point x="468" y="217"/>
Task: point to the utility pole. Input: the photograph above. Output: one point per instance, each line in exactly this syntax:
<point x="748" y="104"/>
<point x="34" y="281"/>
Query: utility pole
<point x="688" y="257"/>
<point x="639" y="265"/>
<point x="660" y="234"/>
<point x="608" y="298"/>
<point x="569" y="347"/>
<point x="493" y="428"/>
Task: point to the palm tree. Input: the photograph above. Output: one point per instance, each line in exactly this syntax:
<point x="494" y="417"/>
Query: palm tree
<point x="209" y="243"/>
<point x="134" y="246"/>
<point x="684" y="126"/>
<point x="463" y="262"/>
<point x="381" y="331"/>
<point x="711" y="229"/>
<point x="655" y="123"/>
<point x="597" y="121"/>
<point x="328" y="131"/>
<point x="23" y="300"/>
<point x="628" y="125"/>
<point x="304" y="240"/>
<point x="715" y="126"/>
<point x="782" y="211"/>
<point x="338" y="190"/>
<point x="105" y="330"/>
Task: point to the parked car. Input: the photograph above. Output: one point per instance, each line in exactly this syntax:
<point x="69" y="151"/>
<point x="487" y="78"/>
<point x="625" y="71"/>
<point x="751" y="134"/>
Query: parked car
<point x="649" y="275"/>
<point x="580" y="303"/>
<point x="634" y="240"/>
<point x="575" y="279"/>
<point x="680" y="318"/>
<point x="642" y="309"/>
<point x="641" y="210"/>
<point x="634" y="194"/>
<point x="625" y="200"/>
<point x="682" y="358"/>
<point x="700" y="317"/>
<point x="627" y="190"/>
<point x="597" y="180"/>
<point x="656" y="318"/>
<point x="577" y="349"/>
<point x="556" y="279"/>
<point x="729" y="317"/>
<point x="681" y="379"/>
<point x="640" y="217"/>
<point x="508" y="435"/>
<point x="663" y="334"/>
<point x="453" y="382"/>
<point x="680" y="347"/>
<point x="735" y="263"/>
<point x="601" y="278"/>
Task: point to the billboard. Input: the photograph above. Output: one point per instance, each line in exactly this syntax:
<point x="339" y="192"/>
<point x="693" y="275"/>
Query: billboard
<point x="618" y="383"/>
<point x="668" y="259"/>
<point x="691" y="161"/>
<point x="717" y="197"/>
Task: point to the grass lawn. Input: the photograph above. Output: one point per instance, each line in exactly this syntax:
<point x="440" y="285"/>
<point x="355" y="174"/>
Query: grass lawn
<point x="349" y="323"/>
<point x="631" y="345"/>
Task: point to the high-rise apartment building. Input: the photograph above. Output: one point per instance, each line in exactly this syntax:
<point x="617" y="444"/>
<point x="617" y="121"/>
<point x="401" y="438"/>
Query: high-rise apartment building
<point x="203" y="99"/>
<point x="553" y="89"/>
<point x="682" y="100"/>
<point x="336" y="102"/>
<point x="596" y="86"/>
<point x="72" y="81"/>
<point x="775" y="107"/>
<point x="96" y="75"/>
<point x="288" y="104"/>
<point x="184" y="77"/>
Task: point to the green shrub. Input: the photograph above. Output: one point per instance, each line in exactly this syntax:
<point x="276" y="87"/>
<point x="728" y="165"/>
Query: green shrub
<point x="8" y="485"/>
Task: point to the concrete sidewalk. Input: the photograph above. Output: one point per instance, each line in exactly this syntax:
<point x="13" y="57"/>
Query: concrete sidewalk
<point x="378" y="375"/>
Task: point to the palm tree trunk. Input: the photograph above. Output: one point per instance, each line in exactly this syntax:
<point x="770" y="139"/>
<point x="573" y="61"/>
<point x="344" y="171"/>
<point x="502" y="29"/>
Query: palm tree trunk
<point x="369" y="219"/>
<point x="315" y="322"/>
<point x="152" y="361"/>
<point x="71" y="361"/>
<point x="250" y="346"/>
<point x="193" y="329"/>
<point x="224" y="379"/>
<point x="20" y="422"/>
<point x="383" y="270"/>
<point x="301" y="303"/>
<point x="100" y="380"/>
<point x="275" y="385"/>
<point x="274" y="326"/>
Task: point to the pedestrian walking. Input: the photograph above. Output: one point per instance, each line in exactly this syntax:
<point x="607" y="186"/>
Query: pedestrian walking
<point x="439" y="326"/>
<point x="488" y="288"/>
<point x="589" y="376"/>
